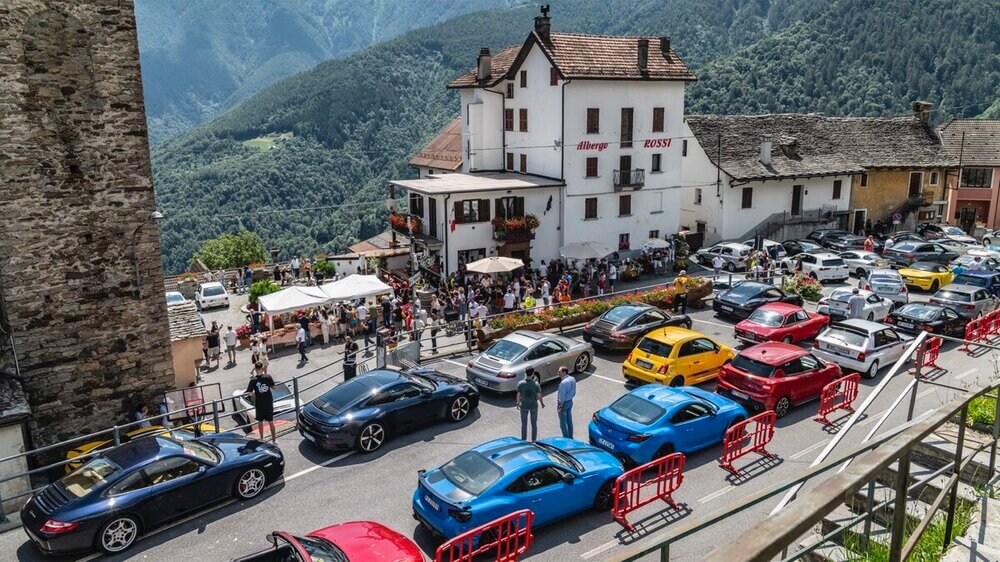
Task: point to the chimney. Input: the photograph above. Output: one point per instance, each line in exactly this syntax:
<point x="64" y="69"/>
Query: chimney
<point x="791" y="147"/>
<point x="543" y="24"/>
<point x="665" y="47"/>
<point x="643" y="56"/>
<point x="922" y="111"/>
<point x="483" y="70"/>
<point x="765" y="150"/>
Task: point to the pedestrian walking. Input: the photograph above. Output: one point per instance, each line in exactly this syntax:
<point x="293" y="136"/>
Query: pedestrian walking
<point x="417" y="326"/>
<point x="612" y="276"/>
<point x="529" y="396"/>
<point x="213" y="345"/>
<point x="386" y="311"/>
<point x="717" y="263"/>
<point x="350" y="358"/>
<point x="370" y="329"/>
<point x="300" y="343"/>
<point x="304" y="324"/>
<point x="263" y="401"/>
<point x="436" y="322"/>
<point x="856" y="304"/>
<point x="680" y="293"/>
<point x="869" y="244"/>
<point x="564" y="401"/>
<point x="231" y="345"/>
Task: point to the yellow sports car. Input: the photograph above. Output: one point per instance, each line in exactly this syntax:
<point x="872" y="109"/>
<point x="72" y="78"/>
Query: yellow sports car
<point x="927" y="275"/>
<point x="675" y="356"/>
<point x="181" y="434"/>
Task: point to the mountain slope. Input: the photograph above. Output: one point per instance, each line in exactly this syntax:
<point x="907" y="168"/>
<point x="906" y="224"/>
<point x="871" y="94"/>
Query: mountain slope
<point x="200" y="58"/>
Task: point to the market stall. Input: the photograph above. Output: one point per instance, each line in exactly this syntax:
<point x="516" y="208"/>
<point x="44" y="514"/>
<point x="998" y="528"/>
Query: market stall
<point x="355" y="286"/>
<point x="287" y="301"/>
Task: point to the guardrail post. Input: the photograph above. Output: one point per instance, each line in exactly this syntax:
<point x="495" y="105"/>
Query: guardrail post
<point x="665" y="553"/>
<point x="869" y="503"/>
<point x="215" y="414"/>
<point x="295" y="393"/>
<point x="996" y="427"/>
<point x="117" y="436"/>
<point x="953" y="499"/>
<point x="899" y="508"/>
<point x="3" y="516"/>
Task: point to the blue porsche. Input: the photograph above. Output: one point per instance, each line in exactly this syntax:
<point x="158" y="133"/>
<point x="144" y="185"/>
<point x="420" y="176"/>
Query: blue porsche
<point x="363" y="412"/>
<point x="131" y="489"/>
<point x="554" y="478"/>
<point x="653" y="421"/>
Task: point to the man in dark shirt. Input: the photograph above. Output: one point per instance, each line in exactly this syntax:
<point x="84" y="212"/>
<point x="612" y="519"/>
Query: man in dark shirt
<point x="350" y="358"/>
<point x="263" y="401"/>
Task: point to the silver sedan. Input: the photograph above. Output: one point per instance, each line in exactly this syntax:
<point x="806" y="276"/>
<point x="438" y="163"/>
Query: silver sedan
<point x="503" y="365"/>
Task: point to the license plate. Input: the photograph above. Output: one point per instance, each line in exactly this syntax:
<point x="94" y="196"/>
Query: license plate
<point x="739" y="394"/>
<point x="432" y="503"/>
<point x="484" y="382"/>
<point x="644" y="364"/>
<point x="309" y="437"/>
<point x="906" y="324"/>
<point x="596" y="340"/>
<point x="726" y="308"/>
<point x="606" y="443"/>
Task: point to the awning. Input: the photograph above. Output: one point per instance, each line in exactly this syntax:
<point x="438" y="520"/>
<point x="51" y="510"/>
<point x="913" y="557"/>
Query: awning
<point x="355" y="286"/>
<point x="293" y="298"/>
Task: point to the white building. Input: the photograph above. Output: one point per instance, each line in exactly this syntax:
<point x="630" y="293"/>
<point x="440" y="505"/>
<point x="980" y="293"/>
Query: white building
<point x="777" y="176"/>
<point x="576" y="130"/>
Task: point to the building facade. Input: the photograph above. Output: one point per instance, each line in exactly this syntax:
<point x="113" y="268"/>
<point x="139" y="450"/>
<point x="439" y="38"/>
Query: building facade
<point x="974" y="197"/>
<point x="80" y="262"/>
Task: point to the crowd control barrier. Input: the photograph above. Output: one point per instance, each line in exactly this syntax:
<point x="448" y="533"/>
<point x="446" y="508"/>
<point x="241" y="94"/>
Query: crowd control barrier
<point x="971" y="335"/>
<point x="740" y="441"/>
<point x="629" y="487"/>
<point x="508" y="537"/>
<point x="838" y="395"/>
<point x="931" y="352"/>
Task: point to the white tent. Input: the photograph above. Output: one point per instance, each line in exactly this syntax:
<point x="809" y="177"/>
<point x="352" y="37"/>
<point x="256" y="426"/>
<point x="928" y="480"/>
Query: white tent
<point x="355" y="286"/>
<point x="292" y="299"/>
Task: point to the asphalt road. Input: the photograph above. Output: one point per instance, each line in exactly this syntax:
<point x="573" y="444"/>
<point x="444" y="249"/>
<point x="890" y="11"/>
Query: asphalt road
<point x="321" y="489"/>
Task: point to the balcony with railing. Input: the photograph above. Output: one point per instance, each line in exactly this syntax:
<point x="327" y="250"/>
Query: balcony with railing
<point x="630" y="179"/>
<point x="514" y="229"/>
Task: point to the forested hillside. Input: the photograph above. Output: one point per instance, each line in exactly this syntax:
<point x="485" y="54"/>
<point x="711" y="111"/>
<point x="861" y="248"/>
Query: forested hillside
<point x="349" y="125"/>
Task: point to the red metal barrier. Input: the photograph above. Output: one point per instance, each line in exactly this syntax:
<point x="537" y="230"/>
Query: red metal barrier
<point x="985" y="325"/>
<point x="932" y="350"/>
<point x="838" y="395"/>
<point x="509" y="537"/>
<point x="739" y="442"/>
<point x="629" y="487"/>
<point x="971" y="334"/>
<point x="994" y="322"/>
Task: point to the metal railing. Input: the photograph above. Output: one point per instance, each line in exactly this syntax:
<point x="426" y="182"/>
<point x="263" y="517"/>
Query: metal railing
<point x="634" y="178"/>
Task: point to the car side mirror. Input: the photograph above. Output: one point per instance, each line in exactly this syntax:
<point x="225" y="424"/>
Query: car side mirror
<point x="272" y="538"/>
<point x="568" y="478"/>
<point x="425" y="393"/>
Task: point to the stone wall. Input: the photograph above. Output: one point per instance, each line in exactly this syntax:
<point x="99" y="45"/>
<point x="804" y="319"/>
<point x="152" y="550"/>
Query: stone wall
<point x="80" y="265"/>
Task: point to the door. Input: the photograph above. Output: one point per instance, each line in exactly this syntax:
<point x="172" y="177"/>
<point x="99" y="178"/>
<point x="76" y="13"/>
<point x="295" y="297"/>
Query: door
<point x="697" y="360"/>
<point x="432" y="217"/>
<point x="859" y="221"/>
<point x="692" y="428"/>
<point x="625" y="169"/>
<point x="407" y="405"/>
<point x="543" y="358"/>
<point x="797" y="199"/>
<point x="804" y="379"/>
<point x="888" y="347"/>
<point x="170" y="488"/>
<point x="544" y="492"/>
<point x="916" y="178"/>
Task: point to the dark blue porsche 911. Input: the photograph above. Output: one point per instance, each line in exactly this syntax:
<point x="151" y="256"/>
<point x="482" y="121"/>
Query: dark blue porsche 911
<point x="108" y="502"/>
<point x="362" y="412"/>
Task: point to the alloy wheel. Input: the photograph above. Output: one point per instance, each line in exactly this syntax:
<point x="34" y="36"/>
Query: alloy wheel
<point x="250" y="483"/>
<point x="781" y="407"/>
<point x="786" y="339"/>
<point x="119" y="534"/>
<point x="603" y="499"/>
<point x="582" y="362"/>
<point x="372" y="437"/>
<point x="459" y="408"/>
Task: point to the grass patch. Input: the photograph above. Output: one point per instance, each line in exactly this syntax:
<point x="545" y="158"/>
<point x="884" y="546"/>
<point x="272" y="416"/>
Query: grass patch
<point x="266" y="142"/>
<point x="930" y="546"/>
<point x="982" y="410"/>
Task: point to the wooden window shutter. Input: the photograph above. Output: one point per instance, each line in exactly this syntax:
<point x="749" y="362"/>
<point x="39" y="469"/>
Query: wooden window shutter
<point x="524" y="163"/>
<point x="508" y="119"/>
<point x="510" y="161"/>
<point x="459" y="217"/>
<point x="657" y="119"/>
<point x="553" y="77"/>
<point x="592" y="167"/>
<point x="523" y="114"/>
<point x="519" y="206"/>
<point x="484" y="210"/>
<point x="593" y="120"/>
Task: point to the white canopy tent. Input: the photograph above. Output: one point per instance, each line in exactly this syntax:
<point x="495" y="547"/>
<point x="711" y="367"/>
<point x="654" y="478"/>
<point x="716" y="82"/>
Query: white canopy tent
<point x="291" y="299"/>
<point x="355" y="286"/>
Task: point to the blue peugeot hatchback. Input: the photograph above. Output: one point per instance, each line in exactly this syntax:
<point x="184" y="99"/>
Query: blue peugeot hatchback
<point x="653" y="421"/>
<point x="554" y="478"/>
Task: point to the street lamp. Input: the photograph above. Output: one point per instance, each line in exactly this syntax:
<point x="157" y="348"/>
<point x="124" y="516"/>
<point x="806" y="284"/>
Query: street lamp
<point x="155" y="216"/>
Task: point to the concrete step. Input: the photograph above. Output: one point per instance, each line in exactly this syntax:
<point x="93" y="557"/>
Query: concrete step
<point x="929" y="490"/>
<point x="915" y="510"/>
<point x="829" y="552"/>
<point x="939" y="449"/>
<point x="840" y="515"/>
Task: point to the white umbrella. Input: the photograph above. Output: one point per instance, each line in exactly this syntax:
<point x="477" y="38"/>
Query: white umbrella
<point x="655" y="244"/>
<point x="494" y="264"/>
<point x="585" y="250"/>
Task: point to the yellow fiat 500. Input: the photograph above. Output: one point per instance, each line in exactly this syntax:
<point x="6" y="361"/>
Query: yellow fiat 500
<point x="675" y="356"/>
<point x="926" y="275"/>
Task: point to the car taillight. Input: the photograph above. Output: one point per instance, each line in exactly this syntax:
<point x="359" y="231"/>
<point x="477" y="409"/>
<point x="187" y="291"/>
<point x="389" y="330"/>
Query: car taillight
<point x="460" y="515"/>
<point x="868" y="287"/>
<point x="815" y="344"/>
<point x="889" y="319"/>
<point x="638" y="437"/>
<point x="594" y="418"/>
<point x="926" y="328"/>
<point x="469" y="364"/>
<point x="54" y="527"/>
<point x="618" y="336"/>
<point x="908" y="256"/>
<point x="629" y="358"/>
<point x="904" y="289"/>
<point x="861" y="356"/>
<point x="503" y="375"/>
<point x="662" y="370"/>
<point x="969" y="306"/>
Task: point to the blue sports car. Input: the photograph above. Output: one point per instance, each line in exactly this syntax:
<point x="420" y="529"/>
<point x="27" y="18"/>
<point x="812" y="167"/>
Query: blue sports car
<point x="554" y="478"/>
<point x="653" y="421"/>
<point x="133" y="488"/>
<point x="364" y="411"/>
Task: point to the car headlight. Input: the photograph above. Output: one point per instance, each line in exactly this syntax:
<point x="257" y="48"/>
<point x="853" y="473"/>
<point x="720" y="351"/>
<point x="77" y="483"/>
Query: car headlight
<point x="273" y="451"/>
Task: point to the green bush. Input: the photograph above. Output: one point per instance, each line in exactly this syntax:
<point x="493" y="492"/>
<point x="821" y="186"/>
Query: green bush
<point x="324" y="268"/>
<point x="982" y="411"/>
<point x="231" y="250"/>
<point x="261" y="288"/>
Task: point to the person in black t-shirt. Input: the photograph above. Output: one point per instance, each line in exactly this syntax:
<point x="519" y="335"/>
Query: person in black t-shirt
<point x="263" y="401"/>
<point x="350" y="359"/>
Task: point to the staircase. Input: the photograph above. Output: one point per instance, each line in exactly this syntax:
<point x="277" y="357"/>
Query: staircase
<point x="779" y="221"/>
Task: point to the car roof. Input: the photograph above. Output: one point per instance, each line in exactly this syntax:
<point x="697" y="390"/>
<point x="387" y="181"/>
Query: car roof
<point x="858" y="323"/>
<point x="960" y="288"/>
<point x="884" y="271"/>
<point x="824" y="255"/>
<point x="510" y="453"/>
<point x="921" y="262"/>
<point x="661" y="395"/>
<point x="979" y="274"/>
<point x="860" y="252"/>
<point x="672" y="334"/>
<point x="774" y="353"/>
<point x="739" y="245"/>
<point x="848" y="290"/>
<point x="526" y="338"/>
<point x="211" y="284"/>
<point x="378" y="378"/>
<point x="780" y="307"/>
<point x="141" y="452"/>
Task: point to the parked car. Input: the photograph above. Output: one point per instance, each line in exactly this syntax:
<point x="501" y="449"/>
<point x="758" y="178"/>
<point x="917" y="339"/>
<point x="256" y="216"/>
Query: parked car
<point x="654" y="421"/>
<point x="283" y="401"/>
<point x="782" y="322"/>
<point x="733" y="254"/>
<point x="990" y="251"/>
<point x="991" y="237"/>
<point x="860" y="345"/>
<point x="211" y="295"/>
<point x="675" y="356"/>
<point x="905" y="236"/>
<point x="989" y="280"/>
<point x="503" y="365"/>
<point x="557" y="477"/>
<point x="175" y="297"/>
<point x="365" y="411"/>
<point x="845" y="243"/>
<point x="775" y="376"/>
<point x="860" y="262"/>
<point x="796" y="247"/>
<point x="835" y="305"/>
<point x="743" y="299"/>
<point x="134" y="488"/>
<point x="886" y="283"/>
<point x="906" y="253"/>
<point x="767" y="246"/>
<point x="926" y="317"/>
<point x="944" y="231"/>
<point x="345" y="542"/>
<point x="968" y="301"/>
<point x="822" y="266"/>
<point x="966" y="262"/>
<point x="926" y="275"/>
<point x="825" y="236"/>
<point x="622" y="326"/>
<point x="961" y="248"/>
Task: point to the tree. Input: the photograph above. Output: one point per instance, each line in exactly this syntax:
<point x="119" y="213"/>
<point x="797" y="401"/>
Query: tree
<point x="231" y="250"/>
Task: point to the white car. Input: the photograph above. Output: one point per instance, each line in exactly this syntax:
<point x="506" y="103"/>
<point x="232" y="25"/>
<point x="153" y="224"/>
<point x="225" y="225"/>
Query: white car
<point x="734" y="255"/>
<point x="835" y="306"/>
<point x="987" y="251"/>
<point x="860" y="262"/>
<point x="767" y="245"/>
<point x="860" y="345"/>
<point x="210" y="295"/>
<point x="821" y="266"/>
<point x="991" y="237"/>
<point x="284" y="401"/>
<point x="175" y="297"/>
<point x="888" y="284"/>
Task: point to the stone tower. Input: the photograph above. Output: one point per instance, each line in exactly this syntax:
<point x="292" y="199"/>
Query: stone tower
<point x="80" y="265"/>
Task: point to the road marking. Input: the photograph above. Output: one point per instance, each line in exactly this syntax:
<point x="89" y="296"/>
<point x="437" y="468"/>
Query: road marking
<point x="716" y="494"/>
<point x="598" y="550"/>
<point x="305" y="471"/>
<point x="967" y="373"/>
<point x="808" y="450"/>
<point x="619" y="381"/>
<point x="710" y="323"/>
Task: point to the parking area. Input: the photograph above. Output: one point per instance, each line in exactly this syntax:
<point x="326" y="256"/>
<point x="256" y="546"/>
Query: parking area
<point x="321" y="488"/>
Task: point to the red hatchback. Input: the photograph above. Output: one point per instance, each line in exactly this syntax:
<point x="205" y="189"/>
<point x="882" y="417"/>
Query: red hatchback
<point x="774" y="376"/>
<point x="354" y="542"/>
<point x="780" y="322"/>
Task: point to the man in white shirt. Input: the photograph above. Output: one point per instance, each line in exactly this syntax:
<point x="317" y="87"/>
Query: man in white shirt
<point x="546" y="291"/>
<point x="295" y="265"/>
<point x="508" y="300"/>
<point x="362" y="312"/>
<point x="717" y="263"/>
<point x="300" y="342"/>
<point x="231" y="345"/>
<point x="543" y="270"/>
<point x="612" y="276"/>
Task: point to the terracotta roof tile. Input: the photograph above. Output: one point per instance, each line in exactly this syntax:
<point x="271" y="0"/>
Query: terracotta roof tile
<point x="444" y="151"/>
<point x="981" y="146"/>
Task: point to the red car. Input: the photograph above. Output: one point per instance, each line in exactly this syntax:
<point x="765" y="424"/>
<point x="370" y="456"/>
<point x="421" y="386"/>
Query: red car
<point x="780" y="322"/>
<point x="355" y="542"/>
<point x="774" y="376"/>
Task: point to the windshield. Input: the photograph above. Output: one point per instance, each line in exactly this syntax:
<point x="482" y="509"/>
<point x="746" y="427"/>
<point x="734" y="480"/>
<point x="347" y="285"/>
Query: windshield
<point x="837" y="261"/>
<point x="654" y="347"/>
<point x="200" y="451"/>
<point x="559" y="456"/>
<point x="743" y="292"/>
<point x="338" y="398"/>
<point x="506" y="350"/>
<point x="175" y="297"/>
<point x="973" y="280"/>
<point x="953" y="296"/>
<point x="422" y="381"/>
<point x="905" y="247"/>
<point x="280" y="391"/>
<point x="886" y="278"/>
<point x="471" y="472"/>
<point x="89" y="477"/>
<point x="848" y="337"/>
<point x="918" y="311"/>
<point x="841" y="296"/>
<point x="321" y="550"/>
<point x="954" y="231"/>
<point x="634" y="408"/>
<point x="767" y="318"/>
<point x="752" y="367"/>
<point x="213" y="291"/>
<point x="924" y="266"/>
<point x="619" y="314"/>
